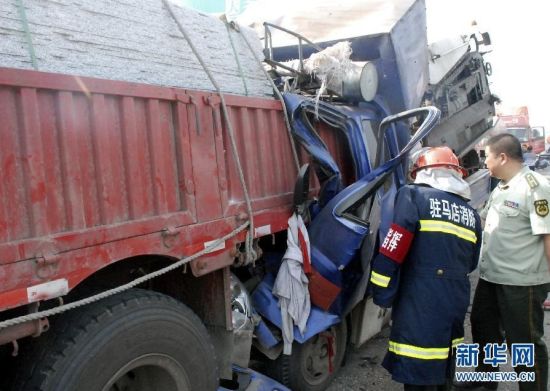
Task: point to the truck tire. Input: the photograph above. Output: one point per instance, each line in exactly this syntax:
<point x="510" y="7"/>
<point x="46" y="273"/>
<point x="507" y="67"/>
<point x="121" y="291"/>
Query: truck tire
<point x="138" y="340"/>
<point x="307" y="369"/>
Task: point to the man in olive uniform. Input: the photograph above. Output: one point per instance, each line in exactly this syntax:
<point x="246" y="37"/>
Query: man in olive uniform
<point x="514" y="267"/>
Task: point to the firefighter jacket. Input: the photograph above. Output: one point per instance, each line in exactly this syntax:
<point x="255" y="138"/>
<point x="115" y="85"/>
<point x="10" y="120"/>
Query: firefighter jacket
<point x="422" y="272"/>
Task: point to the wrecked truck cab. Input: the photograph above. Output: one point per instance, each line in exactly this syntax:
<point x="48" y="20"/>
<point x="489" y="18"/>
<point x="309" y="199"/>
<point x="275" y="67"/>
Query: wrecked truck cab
<point x="451" y="74"/>
<point x="344" y="233"/>
<point x="357" y="155"/>
<point x="353" y="127"/>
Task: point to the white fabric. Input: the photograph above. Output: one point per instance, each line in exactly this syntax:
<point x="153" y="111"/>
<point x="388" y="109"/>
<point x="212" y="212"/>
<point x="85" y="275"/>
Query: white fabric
<point x="445" y="179"/>
<point x="329" y="65"/>
<point x="291" y="285"/>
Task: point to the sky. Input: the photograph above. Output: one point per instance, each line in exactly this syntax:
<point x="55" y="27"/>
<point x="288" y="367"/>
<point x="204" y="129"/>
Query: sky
<point x="520" y="57"/>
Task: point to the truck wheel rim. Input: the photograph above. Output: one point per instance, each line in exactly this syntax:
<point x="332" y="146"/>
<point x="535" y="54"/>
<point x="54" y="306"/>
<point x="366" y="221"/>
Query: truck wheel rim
<point x="315" y="365"/>
<point x="151" y="371"/>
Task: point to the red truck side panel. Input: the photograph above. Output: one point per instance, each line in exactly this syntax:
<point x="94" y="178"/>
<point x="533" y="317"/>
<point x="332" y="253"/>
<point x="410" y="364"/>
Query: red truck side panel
<point x="79" y="162"/>
<point x="266" y="157"/>
<point x="94" y="171"/>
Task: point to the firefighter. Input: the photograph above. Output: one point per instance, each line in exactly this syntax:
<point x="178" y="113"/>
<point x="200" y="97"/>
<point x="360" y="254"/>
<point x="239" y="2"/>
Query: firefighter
<point x="422" y="271"/>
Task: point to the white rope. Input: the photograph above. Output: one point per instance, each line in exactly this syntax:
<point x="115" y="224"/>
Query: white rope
<point x="236" y="55"/>
<point x="249" y="243"/>
<point x="119" y="289"/>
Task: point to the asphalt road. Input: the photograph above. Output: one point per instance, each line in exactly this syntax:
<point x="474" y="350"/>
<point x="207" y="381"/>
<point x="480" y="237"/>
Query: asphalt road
<point x="363" y="371"/>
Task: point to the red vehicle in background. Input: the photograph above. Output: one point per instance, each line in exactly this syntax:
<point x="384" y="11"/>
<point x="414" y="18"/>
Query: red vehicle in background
<point x="518" y="125"/>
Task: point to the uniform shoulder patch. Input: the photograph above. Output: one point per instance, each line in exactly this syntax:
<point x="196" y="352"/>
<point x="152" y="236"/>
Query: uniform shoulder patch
<point x="531" y="180"/>
<point x="541" y="208"/>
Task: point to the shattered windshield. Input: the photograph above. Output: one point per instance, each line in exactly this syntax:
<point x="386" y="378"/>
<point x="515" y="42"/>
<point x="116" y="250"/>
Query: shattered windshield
<point x="520" y="133"/>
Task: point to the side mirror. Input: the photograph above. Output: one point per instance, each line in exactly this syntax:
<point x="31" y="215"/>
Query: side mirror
<point x="301" y="190"/>
<point x="486" y="38"/>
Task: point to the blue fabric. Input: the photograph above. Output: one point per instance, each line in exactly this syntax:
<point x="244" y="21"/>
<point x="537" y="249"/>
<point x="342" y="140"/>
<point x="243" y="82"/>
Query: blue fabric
<point x="267" y="305"/>
<point x="430" y="291"/>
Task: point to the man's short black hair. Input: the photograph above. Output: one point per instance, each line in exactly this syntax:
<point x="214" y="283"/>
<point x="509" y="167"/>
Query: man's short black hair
<point x="508" y="144"/>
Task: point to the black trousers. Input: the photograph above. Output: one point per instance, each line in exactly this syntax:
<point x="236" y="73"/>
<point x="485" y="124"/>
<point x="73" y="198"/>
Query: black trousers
<point x="513" y="313"/>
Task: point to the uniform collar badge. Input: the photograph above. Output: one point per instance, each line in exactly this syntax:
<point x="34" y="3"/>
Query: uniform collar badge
<point x="531" y="180"/>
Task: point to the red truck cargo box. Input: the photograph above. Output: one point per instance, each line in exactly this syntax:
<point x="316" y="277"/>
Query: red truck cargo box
<point x="96" y="171"/>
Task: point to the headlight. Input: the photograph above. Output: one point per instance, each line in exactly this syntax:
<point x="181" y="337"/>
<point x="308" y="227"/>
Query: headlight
<point x="241" y="306"/>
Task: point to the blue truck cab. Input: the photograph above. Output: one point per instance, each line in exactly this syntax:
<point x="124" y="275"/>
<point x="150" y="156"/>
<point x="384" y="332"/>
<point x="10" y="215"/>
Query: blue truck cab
<point x="345" y="195"/>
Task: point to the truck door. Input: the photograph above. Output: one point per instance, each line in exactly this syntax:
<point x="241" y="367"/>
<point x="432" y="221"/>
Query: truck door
<point x="349" y="225"/>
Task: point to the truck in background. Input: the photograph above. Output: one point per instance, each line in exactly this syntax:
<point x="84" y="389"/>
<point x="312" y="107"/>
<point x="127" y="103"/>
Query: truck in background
<point x="110" y="191"/>
<point x="517" y="122"/>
